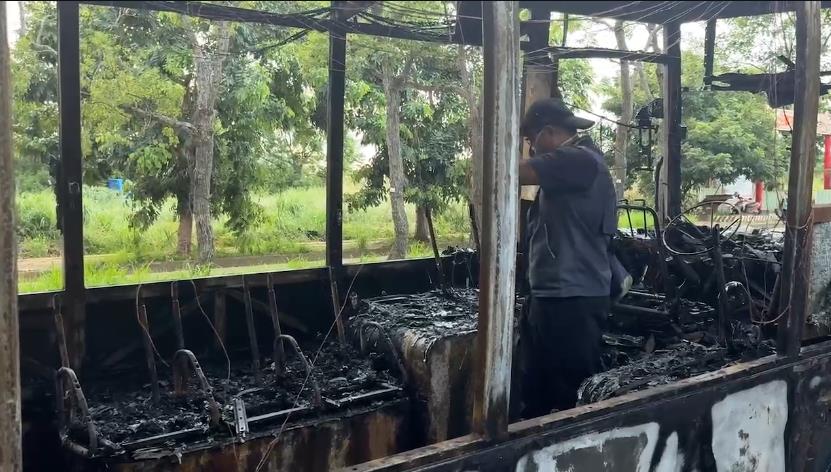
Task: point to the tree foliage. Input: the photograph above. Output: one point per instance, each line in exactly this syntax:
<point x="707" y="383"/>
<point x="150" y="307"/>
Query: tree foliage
<point x="137" y="84"/>
<point x="433" y="133"/>
<point x="729" y="134"/>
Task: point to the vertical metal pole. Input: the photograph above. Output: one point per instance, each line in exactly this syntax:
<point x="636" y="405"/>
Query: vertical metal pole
<point x="709" y="50"/>
<point x="220" y="318"/>
<point x="11" y="456"/>
<point x="149" y="352"/>
<point x="436" y="254"/>
<point x="72" y="216"/>
<point x="278" y="353"/>
<point x="672" y="119"/>
<point x="334" y="165"/>
<point x="176" y="312"/>
<point x="492" y="374"/>
<point x="336" y="305"/>
<point x="59" y="331"/>
<point x="796" y="266"/>
<point x="334" y="147"/>
<point x="252" y="329"/>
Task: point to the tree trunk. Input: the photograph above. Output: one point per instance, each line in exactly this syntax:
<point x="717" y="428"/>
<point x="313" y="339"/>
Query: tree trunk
<point x="201" y="189"/>
<point x="474" y="123"/>
<point x="639" y="68"/>
<point x="21" y="14"/>
<point x="422" y="230"/>
<point x="392" y="93"/>
<point x="622" y="132"/>
<point x="661" y="190"/>
<point x="10" y="417"/>
<point x="184" y="207"/>
<point x="185" y="214"/>
<point x="202" y="158"/>
<point x="643" y="79"/>
<point x="208" y="77"/>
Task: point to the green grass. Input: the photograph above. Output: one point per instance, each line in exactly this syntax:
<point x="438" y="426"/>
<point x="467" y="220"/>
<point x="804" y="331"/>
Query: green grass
<point x="100" y="274"/>
<point x="292" y="225"/>
<point x="637" y="220"/>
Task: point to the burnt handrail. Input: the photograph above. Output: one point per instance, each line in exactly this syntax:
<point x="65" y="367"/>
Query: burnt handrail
<point x="79" y="401"/>
<point x="60" y="330"/>
<point x="180" y="381"/>
<point x="385" y="336"/>
<point x="316" y="399"/>
<point x="278" y="353"/>
<point x="669" y="288"/>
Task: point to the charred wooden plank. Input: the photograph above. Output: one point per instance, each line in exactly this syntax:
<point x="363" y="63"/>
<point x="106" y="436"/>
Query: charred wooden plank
<point x="796" y="261"/>
<point x="500" y="219"/>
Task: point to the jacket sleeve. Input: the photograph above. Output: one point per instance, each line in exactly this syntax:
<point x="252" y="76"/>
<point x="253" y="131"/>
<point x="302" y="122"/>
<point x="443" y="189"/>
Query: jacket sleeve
<point x="567" y="170"/>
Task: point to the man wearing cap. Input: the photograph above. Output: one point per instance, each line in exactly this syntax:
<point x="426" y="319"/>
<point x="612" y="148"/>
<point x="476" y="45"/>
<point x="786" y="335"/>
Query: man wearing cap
<point x="570" y="226"/>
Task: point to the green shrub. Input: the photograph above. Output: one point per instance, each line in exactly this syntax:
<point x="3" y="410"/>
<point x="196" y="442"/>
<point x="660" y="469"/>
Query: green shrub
<point x="37" y="246"/>
<point x="36" y="217"/>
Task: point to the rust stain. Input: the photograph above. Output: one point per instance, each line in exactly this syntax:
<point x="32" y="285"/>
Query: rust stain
<point x="317" y="446"/>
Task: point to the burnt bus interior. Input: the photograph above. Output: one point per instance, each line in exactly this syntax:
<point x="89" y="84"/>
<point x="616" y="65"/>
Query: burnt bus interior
<point x="382" y="366"/>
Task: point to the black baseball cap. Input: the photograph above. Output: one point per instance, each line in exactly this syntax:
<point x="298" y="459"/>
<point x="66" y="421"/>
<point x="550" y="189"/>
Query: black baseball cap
<point x="551" y="112"/>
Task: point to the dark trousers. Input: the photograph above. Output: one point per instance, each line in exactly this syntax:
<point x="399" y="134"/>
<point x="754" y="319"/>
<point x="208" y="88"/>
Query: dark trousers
<point x="561" y="341"/>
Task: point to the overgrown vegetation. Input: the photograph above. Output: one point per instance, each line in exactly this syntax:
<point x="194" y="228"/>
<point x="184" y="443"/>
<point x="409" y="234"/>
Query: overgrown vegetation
<point x="218" y="131"/>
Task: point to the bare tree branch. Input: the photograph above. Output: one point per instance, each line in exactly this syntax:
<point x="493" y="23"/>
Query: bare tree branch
<point x="622" y="132"/>
<point x="131" y="110"/>
<point x="639" y="65"/>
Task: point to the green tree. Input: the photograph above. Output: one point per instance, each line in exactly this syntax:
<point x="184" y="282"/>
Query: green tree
<point x="729" y="134"/>
<point x="181" y="107"/>
<point x="433" y="136"/>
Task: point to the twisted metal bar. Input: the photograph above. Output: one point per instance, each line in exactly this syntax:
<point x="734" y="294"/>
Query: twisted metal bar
<point x="316" y="399"/>
<point x="386" y="338"/>
<point x="181" y="359"/>
<point x="79" y="401"/>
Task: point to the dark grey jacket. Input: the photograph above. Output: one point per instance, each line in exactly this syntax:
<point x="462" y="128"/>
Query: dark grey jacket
<point x="571" y="223"/>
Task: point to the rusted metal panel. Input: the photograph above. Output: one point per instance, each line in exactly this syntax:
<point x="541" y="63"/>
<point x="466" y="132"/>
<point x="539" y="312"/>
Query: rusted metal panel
<point x="440" y="372"/>
<point x="436" y="353"/>
<point x="315" y="445"/>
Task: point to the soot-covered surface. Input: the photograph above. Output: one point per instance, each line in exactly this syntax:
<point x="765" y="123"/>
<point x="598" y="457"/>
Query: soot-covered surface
<point x="123" y="410"/>
<point x="430" y="315"/>
<point x="646" y="350"/>
<point x="641" y="350"/>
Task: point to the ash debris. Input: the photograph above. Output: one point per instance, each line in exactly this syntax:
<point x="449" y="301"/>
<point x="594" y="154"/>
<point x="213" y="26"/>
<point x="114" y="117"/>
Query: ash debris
<point x="659" y="368"/>
<point x="430" y="315"/>
<point x="643" y="351"/>
<point x="655" y="339"/>
<point x="822" y="316"/>
<point x="124" y="413"/>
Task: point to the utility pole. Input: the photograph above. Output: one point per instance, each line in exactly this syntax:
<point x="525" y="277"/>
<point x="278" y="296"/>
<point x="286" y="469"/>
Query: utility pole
<point x="11" y="457"/>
